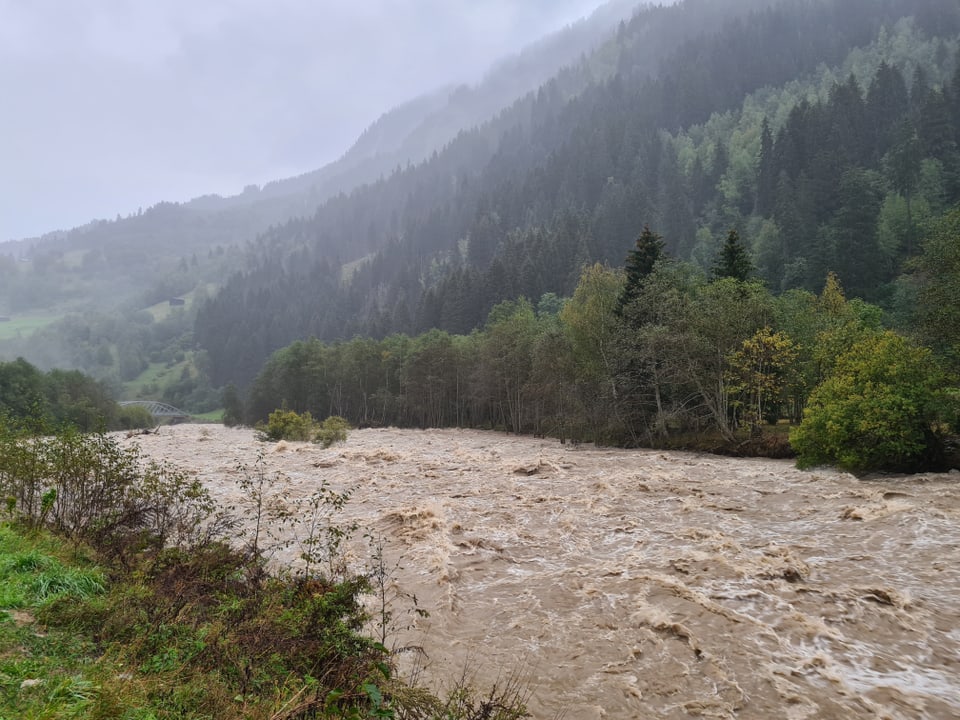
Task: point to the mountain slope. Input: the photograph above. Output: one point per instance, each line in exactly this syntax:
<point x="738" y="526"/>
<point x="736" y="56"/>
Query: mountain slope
<point x="516" y="206"/>
<point x="105" y="262"/>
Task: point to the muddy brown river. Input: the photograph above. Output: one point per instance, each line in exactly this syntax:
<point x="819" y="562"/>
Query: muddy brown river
<point x="641" y="584"/>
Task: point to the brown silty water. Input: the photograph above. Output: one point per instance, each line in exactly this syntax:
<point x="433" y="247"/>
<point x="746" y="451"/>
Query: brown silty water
<point x="636" y="584"/>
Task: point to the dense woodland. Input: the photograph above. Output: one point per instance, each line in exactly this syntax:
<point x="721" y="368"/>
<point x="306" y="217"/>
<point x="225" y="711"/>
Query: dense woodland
<point x="824" y="133"/>
<point x="40" y="401"/>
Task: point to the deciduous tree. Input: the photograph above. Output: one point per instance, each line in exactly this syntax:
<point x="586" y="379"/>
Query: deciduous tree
<point x="877" y="411"/>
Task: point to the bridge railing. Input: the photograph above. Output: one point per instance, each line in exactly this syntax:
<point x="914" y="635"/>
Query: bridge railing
<point x="157" y="409"/>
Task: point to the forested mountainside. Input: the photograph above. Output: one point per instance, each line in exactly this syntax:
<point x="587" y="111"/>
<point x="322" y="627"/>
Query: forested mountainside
<point x="140" y="258"/>
<point x="411" y="132"/>
<point x="824" y="132"/>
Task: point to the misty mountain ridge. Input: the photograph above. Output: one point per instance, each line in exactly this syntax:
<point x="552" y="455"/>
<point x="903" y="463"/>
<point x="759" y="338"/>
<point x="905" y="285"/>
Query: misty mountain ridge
<point x="403" y="135"/>
<point x="409" y="133"/>
<point x="109" y="270"/>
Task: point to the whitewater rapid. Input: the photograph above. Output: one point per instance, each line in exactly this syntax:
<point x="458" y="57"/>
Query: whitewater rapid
<point x="633" y="583"/>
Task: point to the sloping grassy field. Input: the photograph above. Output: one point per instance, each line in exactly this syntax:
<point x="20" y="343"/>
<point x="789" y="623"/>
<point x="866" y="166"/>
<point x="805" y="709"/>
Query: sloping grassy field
<point x="25" y="324"/>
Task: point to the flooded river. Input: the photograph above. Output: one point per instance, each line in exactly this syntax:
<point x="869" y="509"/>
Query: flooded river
<point x="643" y="584"/>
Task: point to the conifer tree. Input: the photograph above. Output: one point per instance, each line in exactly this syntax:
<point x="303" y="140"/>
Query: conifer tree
<point x="766" y="176"/>
<point x="733" y="261"/>
<point x="954" y="101"/>
<point x="640" y="263"/>
<point x="936" y="275"/>
<point x="832" y="300"/>
<point x="853" y="233"/>
<point x="904" y="163"/>
<point x="887" y="101"/>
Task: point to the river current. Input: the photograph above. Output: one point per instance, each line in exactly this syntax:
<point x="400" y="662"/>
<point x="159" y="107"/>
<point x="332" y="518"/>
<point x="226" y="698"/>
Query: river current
<point x="638" y="583"/>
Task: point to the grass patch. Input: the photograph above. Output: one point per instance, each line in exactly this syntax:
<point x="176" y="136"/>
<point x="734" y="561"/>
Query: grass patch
<point x="72" y="582"/>
<point x="213" y="416"/>
<point x="151" y="383"/>
<point x="181" y="634"/>
<point x="348" y="269"/>
<point x="160" y="311"/>
<point x="163" y="309"/>
<point x="25" y="324"/>
<point x="44" y="673"/>
<point x="157" y="375"/>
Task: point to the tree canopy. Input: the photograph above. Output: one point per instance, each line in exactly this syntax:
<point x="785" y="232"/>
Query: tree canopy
<point x="878" y="410"/>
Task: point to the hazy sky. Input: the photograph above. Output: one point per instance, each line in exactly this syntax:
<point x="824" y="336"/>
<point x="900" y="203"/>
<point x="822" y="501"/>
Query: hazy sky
<point x="109" y="105"/>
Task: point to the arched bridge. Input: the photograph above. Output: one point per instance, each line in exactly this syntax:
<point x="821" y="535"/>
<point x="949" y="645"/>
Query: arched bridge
<point x="158" y="409"/>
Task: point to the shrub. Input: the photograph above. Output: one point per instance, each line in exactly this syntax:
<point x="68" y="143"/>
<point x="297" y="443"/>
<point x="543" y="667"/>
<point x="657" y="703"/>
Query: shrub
<point x="134" y="417"/>
<point x="288" y="425"/>
<point x="332" y="430"/>
<point x="89" y="488"/>
<point x="879" y="410"/>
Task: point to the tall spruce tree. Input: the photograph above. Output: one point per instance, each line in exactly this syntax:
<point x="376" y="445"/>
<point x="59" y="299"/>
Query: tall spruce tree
<point x="852" y="234"/>
<point x="766" y="173"/>
<point x="887" y="101"/>
<point x="733" y="261"/>
<point x="904" y="163"/>
<point x="640" y="263"/>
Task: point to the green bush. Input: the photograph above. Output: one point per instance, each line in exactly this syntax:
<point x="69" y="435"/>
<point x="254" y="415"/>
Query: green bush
<point x="879" y="410"/>
<point x="134" y="417"/>
<point x="91" y="489"/>
<point x="302" y="427"/>
<point x="288" y="425"/>
<point x="332" y="430"/>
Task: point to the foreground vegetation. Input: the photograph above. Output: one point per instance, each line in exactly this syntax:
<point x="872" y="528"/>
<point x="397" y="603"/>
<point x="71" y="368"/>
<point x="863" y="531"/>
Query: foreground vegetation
<point x="122" y="599"/>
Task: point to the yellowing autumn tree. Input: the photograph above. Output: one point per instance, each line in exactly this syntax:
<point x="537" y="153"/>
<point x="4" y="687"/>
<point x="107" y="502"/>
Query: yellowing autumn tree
<point x="759" y="371"/>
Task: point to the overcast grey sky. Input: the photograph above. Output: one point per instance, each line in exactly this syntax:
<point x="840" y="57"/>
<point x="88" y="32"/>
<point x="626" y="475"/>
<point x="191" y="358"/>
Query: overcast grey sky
<point x="109" y="105"/>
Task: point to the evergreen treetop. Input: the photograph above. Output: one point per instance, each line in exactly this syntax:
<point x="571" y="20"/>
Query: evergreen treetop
<point x="733" y="261"/>
<point x="640" y="263"/>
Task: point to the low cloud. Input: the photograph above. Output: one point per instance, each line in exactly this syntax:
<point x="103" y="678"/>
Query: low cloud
<point x="115" y="104"/>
